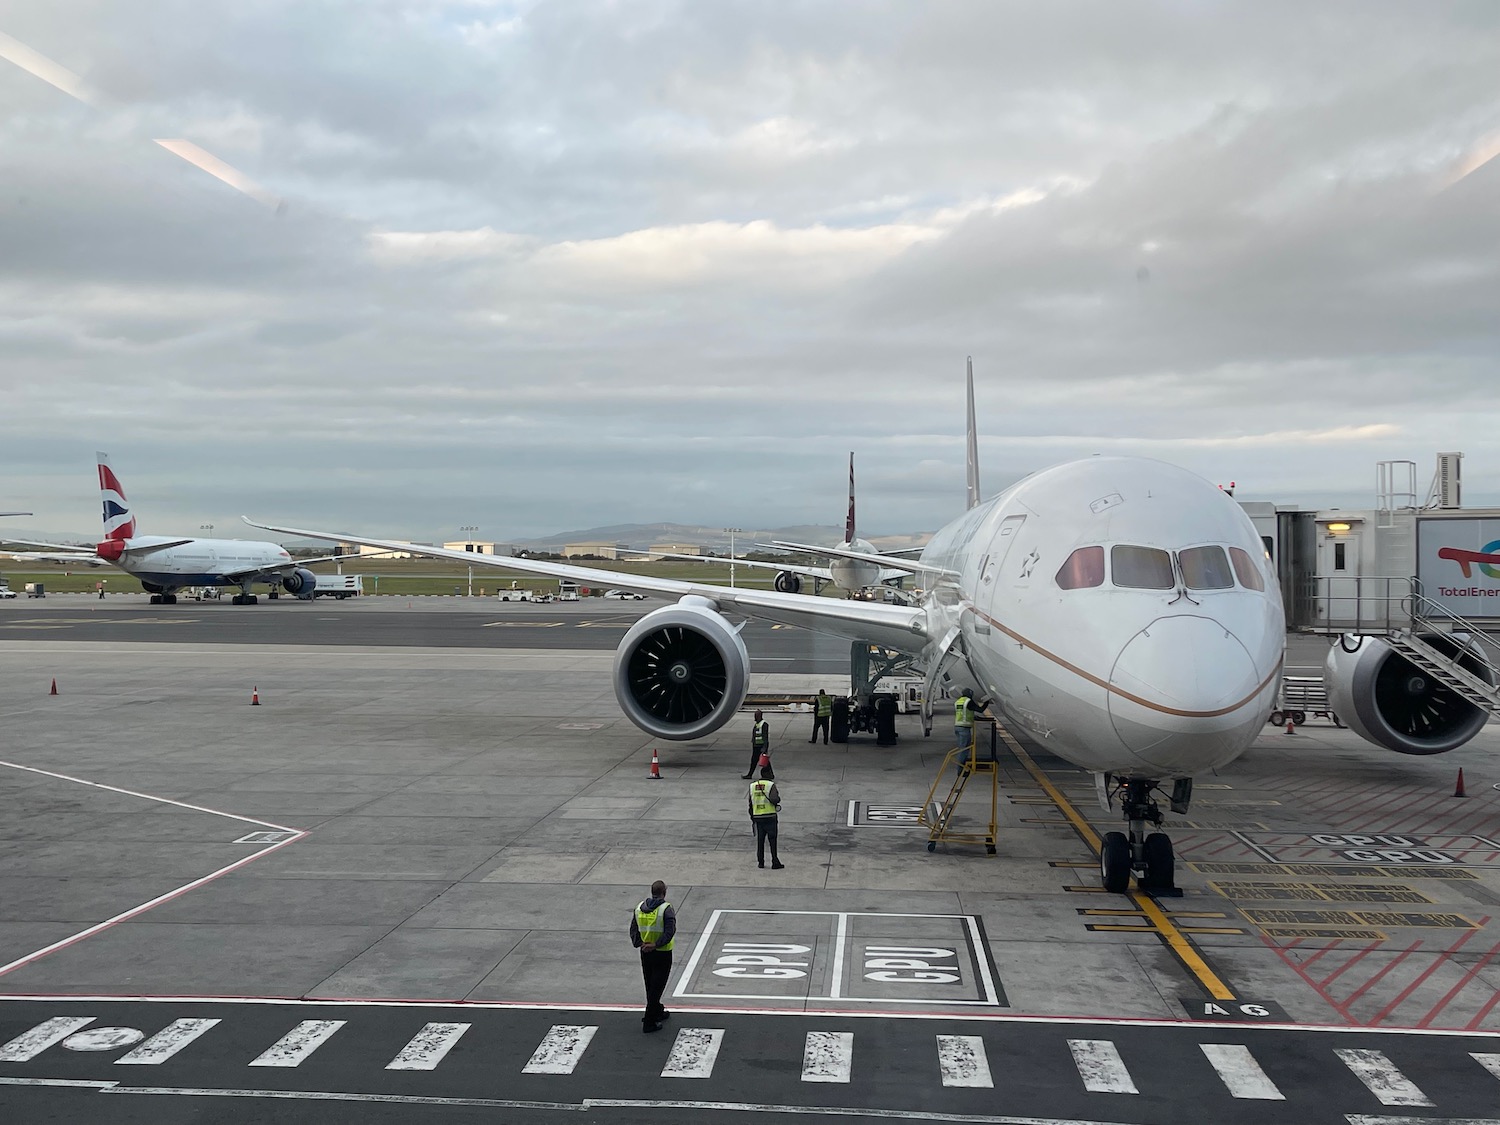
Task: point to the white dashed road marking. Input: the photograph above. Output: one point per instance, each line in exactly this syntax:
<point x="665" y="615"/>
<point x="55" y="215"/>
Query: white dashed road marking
<point x="1100" y="1066"/>
<point x="1242" y="1075"/>
<point x="828" y="1056"/>
<point x="694" y="1053"/>
<point x="166" y="1043"/>
<point x="1381" y="1077"/>
<point x="30" y="1044"/>
<point x="962" y="1061"/>
<point x="560" y="1049"/>
<point x="428" y="1047"/>
<point x="293" y="1048"/>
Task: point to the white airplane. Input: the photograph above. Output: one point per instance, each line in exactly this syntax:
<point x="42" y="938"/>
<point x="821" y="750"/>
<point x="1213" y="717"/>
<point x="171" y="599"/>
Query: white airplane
<point x="1120" y="610"/>
<point x="853" y="566"/>
<point x="165" y="565"/>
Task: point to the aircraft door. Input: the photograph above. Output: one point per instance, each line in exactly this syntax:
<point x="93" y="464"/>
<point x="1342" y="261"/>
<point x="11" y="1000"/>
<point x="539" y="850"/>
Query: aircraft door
<point x="1339" y="567"/>
<point x="993" y="573"/>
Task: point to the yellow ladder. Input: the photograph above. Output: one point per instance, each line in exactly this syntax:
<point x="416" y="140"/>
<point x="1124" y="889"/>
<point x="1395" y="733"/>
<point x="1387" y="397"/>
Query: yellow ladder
<point x="938" y="818"/>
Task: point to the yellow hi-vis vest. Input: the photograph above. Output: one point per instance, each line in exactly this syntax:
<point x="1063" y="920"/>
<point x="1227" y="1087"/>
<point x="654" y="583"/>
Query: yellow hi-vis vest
<point x="762" y="736"/>
<point x="825" y="706"/>
<point x="760" y="801"/>
<point x="963" y="712"/>
<point x="652" y="924"/>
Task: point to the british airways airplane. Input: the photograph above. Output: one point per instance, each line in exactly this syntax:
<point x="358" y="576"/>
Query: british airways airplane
<point x="165" y="565"/>
<point x="1120" y="610"/>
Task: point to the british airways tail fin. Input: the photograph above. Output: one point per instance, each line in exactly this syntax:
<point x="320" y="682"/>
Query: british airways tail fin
<point x="849" y="520"/>
<point x="119" y="524"/>
<point x="972" y="452"/>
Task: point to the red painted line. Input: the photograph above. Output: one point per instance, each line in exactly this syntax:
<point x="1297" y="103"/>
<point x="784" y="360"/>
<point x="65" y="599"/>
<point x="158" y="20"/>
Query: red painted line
<point x="1473" y="1024"/>
<point x="1296" y="968"/>
<point x="1463" y="982"/>
<point x="1330" y="947"/>
<point x="1358" y="812"/>
<point x="1226" y="847"/>
<point x="1349" y="964"/>
<point x="1350" y="798"/>
<point x="1438" y="961"/>
<point x="1362" y="989"/>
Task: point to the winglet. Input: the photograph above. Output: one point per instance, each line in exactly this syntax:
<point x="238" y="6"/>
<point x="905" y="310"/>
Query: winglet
<point x="972" y="453"/>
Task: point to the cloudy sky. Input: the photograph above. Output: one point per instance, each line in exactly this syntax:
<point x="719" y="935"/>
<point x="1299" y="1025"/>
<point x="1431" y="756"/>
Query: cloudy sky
<point x="539" y="266"/>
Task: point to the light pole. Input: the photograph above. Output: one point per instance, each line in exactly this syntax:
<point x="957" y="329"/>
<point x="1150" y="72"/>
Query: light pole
<point x="206" y="527"/>
<point x="470" y="530"/>
<point x="733" y="531"/>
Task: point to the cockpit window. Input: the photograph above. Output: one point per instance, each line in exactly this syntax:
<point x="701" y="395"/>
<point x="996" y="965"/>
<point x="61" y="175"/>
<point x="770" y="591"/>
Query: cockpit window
<point x="1084" y="569"/>
<point x="1205" y="568"/>
<point x="1141" y="568"/>
<point x="1246" y="570"/>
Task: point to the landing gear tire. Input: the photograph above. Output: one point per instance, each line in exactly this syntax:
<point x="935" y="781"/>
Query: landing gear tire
<point x="1160" y="864"/>
<point x="1114" y="863"/>
<point x="169" y="599"/>
<point x="1277" y="719"/>
<point x="156" y="599"/>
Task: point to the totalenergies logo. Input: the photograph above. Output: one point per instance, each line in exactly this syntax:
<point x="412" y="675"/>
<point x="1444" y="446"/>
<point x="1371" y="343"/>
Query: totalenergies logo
<point x="1488" y="560"/>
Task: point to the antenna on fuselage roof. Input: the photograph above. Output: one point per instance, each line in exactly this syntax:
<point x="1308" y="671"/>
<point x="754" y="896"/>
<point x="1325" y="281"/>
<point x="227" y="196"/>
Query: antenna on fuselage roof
<point x="972" y="458"/>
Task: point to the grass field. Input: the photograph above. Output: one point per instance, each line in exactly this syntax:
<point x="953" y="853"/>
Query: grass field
<point x="406" y="577"/>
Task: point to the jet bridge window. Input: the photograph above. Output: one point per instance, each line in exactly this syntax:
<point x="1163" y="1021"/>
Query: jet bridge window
<point x="1246" y="570"/>
<point x="1141" y="568"/>
<point x="1205" y="568"/>
<point x="1084" y="569"/>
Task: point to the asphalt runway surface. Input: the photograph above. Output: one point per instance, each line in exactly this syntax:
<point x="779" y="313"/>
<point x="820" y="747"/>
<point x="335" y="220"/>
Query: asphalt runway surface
<point x="177" y="1061"/>
<point x="388" y="622"/>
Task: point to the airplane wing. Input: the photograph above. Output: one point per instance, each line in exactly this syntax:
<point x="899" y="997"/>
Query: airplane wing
<point x="69" y="548"/>
<point x="899" y="627"/>
<point x="821" y="572"/>
<point x="906" y="566"/>
<point x="86" y="559"/>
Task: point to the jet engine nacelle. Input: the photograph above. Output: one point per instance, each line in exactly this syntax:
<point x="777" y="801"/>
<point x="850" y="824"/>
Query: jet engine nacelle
<point x="1389" y="701"/>
<point x="300" y="583"/>
<point x="788" y="582"/>
<point x="681" y="672"/>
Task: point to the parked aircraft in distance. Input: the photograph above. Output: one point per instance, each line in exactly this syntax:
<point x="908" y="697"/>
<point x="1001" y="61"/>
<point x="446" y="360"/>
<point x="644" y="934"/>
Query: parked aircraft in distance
<point x="855" y="565"/>
<point x="1119" y="610"/>
<point x="164" y="565"/>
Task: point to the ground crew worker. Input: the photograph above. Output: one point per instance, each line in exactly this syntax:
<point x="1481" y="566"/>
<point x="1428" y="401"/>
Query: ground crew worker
<point x="963" y="722"/>
<point x="822" y="714"/>
<point x="760" y="743"/>
<point x="764" y="803"/>
<point x="653" y="927"/>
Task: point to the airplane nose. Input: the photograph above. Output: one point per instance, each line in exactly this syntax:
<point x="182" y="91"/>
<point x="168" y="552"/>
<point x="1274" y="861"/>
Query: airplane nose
<point x="1181" y="680"/>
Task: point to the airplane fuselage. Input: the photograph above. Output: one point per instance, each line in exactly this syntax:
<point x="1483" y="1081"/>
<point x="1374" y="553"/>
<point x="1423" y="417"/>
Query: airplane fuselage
<point x="851" y="575"/>
<point x="1121" y="611"/>
<point x="198" y="562"/>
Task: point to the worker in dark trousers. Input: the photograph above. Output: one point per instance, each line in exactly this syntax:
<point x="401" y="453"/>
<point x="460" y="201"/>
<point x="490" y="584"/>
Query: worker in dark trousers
<point x="653" y="927"/>
<point x="822" y="715"/>
<point x="765" y="803"/>
<point x="760" y="743"/>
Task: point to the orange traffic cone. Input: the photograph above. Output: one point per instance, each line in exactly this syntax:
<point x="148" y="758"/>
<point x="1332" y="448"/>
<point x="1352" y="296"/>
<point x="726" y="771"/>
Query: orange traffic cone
<point x="54" y="686"/>
<point x="655" y="766"/>
<point x="255" y="697"/>
<point x="1290" y="729"/>
<point x="1459" y="789"/>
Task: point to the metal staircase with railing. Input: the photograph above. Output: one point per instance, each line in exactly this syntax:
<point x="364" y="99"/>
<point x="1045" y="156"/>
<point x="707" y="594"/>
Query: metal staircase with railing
<point x="1395" y="610"/>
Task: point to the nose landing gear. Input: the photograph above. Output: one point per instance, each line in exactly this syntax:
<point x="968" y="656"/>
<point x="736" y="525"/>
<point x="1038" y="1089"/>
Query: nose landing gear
<point x="1145" y="854"/>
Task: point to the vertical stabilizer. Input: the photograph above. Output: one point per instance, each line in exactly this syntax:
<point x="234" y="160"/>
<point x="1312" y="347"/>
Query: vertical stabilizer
<point x="849" y="520"/>
<point x="972" y="453"/>
<point x="119" y="524"/>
